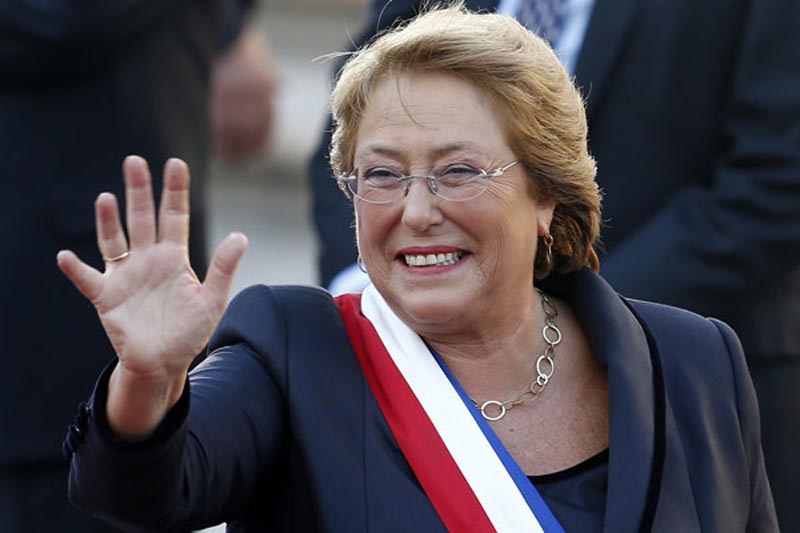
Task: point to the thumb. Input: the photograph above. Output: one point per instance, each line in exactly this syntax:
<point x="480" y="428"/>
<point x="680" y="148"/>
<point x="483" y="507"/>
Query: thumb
<point x="85" y="278"/>
<point x="223" y="265"/>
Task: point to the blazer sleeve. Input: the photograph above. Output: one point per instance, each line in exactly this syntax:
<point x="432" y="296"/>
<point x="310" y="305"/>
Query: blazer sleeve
<point x="762" y="515"/>
<point x="743" y="226"/>
<point x="207" y="458"/>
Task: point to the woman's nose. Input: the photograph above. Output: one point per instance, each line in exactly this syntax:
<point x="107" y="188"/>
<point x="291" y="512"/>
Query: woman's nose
<point x="421" y="206"/>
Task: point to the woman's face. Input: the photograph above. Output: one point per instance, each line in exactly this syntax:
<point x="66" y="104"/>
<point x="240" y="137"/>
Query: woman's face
<point x="416" y="123"/>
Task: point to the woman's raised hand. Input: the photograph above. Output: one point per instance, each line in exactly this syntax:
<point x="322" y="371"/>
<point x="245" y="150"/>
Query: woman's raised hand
<point x="156" y="312"/>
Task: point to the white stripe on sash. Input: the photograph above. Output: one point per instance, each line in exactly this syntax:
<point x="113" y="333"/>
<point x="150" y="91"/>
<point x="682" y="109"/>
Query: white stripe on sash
<point x="482" y="468"/>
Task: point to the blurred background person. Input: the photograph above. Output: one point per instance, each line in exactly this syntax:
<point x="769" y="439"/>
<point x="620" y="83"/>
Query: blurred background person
<point x="694" y="119"/>
<point x="79" y="89"/>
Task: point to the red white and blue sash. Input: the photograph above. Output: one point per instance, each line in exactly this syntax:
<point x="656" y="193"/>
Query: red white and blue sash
<point x="466" y="472"/>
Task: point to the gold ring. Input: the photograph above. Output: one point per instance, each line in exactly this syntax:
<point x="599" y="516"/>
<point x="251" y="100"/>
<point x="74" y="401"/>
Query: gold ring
<point x="116" y="258"/>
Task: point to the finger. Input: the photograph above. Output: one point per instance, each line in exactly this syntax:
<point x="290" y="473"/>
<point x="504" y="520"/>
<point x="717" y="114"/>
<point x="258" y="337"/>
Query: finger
<point x="223" y="266"/>
<point x="139" y="207"/>
<point x="110" y="237"/>
<point x="245" y="140"/>
<point x="173" y="215"/>
<point x="86" y="279"/>
<point x="254" y="136"/>
<point x="217" y="141"/>
<point x="227" y="130"/>
<point x="242" y="122"/>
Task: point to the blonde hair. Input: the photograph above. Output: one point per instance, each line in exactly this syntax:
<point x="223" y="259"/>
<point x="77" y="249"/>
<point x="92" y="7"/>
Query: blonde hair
<point x="543" y="113"/>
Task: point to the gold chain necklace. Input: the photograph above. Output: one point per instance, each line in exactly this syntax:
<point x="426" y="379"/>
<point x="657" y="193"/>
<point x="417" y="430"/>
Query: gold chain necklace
<point x="493" y="410"/>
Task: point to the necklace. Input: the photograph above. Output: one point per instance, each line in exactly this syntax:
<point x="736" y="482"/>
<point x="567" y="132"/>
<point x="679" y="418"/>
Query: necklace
<point x="493" y="410"/>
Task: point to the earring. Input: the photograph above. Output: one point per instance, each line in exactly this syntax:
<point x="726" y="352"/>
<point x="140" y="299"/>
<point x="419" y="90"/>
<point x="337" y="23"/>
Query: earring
<point x="541" y="271"/>
<point x="361" y="266"/>
<point x="548" y="241"/>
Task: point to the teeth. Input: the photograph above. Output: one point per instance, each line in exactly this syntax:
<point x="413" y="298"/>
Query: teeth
<point x="433" y="259"/>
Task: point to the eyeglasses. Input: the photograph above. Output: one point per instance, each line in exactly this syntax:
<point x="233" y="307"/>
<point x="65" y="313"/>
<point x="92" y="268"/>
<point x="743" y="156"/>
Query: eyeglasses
<point x="457" y="183"/>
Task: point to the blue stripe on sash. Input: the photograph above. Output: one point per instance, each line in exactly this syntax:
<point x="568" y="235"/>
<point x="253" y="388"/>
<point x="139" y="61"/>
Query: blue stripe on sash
<point x="534" y="500"/>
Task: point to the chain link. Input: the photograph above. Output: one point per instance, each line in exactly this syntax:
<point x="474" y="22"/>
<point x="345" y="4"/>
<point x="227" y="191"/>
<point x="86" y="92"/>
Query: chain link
<point x="494" y="410"/>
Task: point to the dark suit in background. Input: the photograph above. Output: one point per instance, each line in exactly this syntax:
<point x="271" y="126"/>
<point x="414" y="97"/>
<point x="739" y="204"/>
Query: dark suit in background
<point x="79" y="89"/>
<point x="694" y="119"/>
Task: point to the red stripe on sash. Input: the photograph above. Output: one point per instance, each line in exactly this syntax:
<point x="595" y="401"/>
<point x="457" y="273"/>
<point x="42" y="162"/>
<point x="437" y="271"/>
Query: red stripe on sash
<point x="423" y="448"/>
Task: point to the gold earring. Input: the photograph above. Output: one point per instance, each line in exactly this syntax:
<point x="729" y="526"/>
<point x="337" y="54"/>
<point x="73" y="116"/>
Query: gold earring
<point x="544" y="271"/>
<point x="548" y="241"/>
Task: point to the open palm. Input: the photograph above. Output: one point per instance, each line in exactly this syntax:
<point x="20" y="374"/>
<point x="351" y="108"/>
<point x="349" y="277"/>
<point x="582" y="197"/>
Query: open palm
<point x="156" y="312"/>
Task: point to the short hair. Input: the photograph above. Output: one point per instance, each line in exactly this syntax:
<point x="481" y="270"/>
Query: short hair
<point x="541" y="111"/>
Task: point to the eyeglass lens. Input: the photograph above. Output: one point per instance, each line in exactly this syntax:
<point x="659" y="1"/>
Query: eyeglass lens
<point x="458" y="185"/>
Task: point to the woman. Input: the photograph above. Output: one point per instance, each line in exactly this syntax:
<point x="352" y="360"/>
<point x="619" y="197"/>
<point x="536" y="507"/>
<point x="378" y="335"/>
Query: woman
<point x="452" y="394"/>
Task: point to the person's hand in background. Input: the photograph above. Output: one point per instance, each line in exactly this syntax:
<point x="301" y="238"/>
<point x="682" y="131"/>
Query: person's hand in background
<point x="244" y="83"/>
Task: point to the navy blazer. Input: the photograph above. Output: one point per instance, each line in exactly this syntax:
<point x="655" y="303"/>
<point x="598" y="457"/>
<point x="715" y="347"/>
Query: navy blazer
<point x="280" y="431"/>
<point x="694" y="119"/>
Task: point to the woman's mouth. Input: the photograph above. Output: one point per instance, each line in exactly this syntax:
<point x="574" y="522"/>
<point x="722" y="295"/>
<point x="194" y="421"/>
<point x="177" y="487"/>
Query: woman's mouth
<point x="429" y="260"/>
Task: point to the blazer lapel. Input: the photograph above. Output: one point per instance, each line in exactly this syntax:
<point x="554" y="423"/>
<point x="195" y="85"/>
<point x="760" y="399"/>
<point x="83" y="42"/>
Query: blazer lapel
<point x="609" y="27"/>
<point x="636" y="397"/>
<point x="677" y="494"/>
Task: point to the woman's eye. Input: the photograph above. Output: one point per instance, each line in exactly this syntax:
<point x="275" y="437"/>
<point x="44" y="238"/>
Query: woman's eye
<point x="380" y="173"/>
<point x="460" y="171"/>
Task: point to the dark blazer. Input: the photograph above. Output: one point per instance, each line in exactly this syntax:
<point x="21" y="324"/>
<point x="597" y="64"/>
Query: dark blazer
<point x="282" y="433"/>
<point x="80" y="89"/>
<point x="694" y="119"/>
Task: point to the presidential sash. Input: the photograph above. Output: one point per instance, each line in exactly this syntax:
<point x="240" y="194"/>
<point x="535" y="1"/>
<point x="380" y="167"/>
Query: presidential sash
<point x="466" y="472"/>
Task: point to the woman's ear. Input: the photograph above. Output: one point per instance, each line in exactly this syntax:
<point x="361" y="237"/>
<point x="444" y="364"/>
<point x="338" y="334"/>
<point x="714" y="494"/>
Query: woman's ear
<point x="544" y="217"/>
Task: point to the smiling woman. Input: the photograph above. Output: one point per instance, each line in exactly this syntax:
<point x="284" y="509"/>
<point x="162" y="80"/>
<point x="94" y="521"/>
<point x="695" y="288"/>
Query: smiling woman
<point x="524" y="95"/>
<point x="487" y="380"/>
<point x="441" y="123"/>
